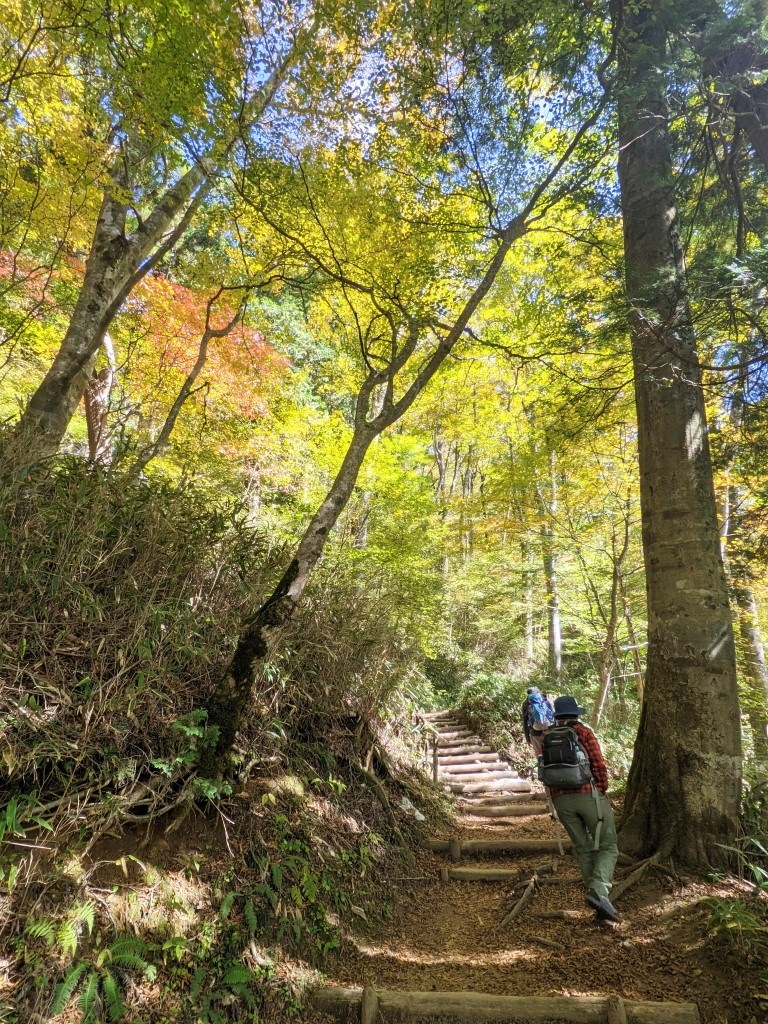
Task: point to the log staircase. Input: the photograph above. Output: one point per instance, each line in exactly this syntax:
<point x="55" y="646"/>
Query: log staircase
<point x="487" y="787"/>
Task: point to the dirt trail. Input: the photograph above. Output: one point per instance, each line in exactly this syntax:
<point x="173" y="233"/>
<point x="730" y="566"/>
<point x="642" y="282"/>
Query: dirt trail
<point x="447" y="936"/>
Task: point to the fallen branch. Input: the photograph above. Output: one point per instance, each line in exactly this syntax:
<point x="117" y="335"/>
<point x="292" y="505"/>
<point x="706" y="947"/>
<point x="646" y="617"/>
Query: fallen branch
<point x="522" y="903"/>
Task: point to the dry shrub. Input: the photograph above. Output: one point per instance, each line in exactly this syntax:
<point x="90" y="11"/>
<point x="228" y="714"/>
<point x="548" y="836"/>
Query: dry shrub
<point x="343" y="664"/>
<point x="119" y="605"/>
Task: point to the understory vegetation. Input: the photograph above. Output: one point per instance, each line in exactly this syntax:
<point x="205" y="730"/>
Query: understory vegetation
<point x="120" y="606"/>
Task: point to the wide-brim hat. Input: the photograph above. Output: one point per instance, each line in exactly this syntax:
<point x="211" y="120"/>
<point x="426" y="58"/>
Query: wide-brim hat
<point x="567" y="707"/>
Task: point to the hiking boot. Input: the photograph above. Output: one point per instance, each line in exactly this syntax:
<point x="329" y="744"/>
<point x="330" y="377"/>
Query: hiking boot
<point x="604" y="908"/>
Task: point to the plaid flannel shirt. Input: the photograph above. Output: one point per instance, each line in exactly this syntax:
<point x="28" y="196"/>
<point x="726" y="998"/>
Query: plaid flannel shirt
<point x="588" y="740"/>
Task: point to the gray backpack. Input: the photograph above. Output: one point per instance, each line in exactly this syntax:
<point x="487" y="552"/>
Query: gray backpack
<point x="563" y="762"/>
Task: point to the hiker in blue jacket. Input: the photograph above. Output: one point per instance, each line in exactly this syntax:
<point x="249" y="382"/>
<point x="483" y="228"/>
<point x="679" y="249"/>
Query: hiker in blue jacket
<point x="537" y="716"/>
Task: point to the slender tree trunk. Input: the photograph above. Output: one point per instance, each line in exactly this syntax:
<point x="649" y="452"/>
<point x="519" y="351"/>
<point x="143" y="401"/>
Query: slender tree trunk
<point x="683" y="790"/>
<point x="634" y="643"/>
<point x="755" y="667"/>
<point x="548" y="508"/>
<point x="529" y="622"/>
<point x="186" y="389"/>
<point x="97" y="396"/>
<point x="554" y="634"/>
<point x="259" y="634"/>
<point x="608" y="649"/>
<point x="737" y="563"/>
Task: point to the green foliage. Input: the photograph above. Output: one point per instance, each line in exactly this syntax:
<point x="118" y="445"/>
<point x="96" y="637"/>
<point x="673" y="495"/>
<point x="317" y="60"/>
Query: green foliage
<point x="741" y="929"/>
<point x="64" y="934"/>
<point x="494" y="702"/>
<point x="96" y="979"/>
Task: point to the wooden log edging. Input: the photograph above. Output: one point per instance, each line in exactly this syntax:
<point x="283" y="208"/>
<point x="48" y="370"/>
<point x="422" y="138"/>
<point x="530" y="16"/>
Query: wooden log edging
<point x="510" y="785"/>
<point x="478" y="874"/>
<point x="500" y="816"/>
<point x="500" y="799"/>
<point x="492" y="846"/>
<point x="472" y="1005"/>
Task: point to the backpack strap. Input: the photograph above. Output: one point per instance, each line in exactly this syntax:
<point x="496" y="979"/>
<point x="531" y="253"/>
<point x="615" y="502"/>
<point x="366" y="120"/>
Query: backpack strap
<point x="599" y="809"/>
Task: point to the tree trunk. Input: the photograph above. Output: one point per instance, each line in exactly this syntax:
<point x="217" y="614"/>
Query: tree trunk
<point x="97" y="397"/>
<point x="754" y="666"/>
<point x="226" y="706"/>
<point x="118" y="261"/>
<point x="684" y="785"/>
<point x="548" y="509"/>
<point x="529" y="624"/>
<point x="607" y="657"/>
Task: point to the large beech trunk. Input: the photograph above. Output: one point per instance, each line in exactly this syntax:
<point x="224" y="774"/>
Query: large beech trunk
<point x="684" y="786"/>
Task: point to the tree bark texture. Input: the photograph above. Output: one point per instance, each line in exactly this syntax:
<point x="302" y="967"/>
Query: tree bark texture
<point x="684" y="785"/>
<point x="98" y="392"/>
<point x="548" y="509"/>
<point x="116" y="263"/>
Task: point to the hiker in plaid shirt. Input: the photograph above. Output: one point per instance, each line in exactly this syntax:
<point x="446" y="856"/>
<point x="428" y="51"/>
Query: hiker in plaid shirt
<point x="587" y="816"/>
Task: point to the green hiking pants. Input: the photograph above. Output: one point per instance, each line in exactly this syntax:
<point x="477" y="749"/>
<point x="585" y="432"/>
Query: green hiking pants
<point x="579" y="815"/>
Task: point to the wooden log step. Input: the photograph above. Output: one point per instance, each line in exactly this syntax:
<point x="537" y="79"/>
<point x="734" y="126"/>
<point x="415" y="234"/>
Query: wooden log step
<point x="468" y="748"/>
<point x="511" y="784"/>
<point x="485" y="1007"/>
<point x="469" y="779"/>
<point x="446" y="759"/>
<point x="500" y="800"/>
<point x="444" y="736"/>
<point x="499" y="813"/>
<point x="478" y="768"/>
<point x="478" y="846"/>
<point x="448" y="874"/>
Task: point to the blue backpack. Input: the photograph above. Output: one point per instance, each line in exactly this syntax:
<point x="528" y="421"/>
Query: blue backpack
<point x="539" y="712"/>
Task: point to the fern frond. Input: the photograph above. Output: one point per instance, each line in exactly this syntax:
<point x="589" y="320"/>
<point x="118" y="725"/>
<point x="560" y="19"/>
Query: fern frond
<point x="129" y="961"/>
<point x="84" y="913"/>
<point x="89" y="997"/>
<point x="197" y="983"/>
<point x="66" y="936"/>
<point x="113" y="998"/>
<point x="226" y="905"/>
<point x="132" y="944"/>
<point x="67" y="987"/>
<point x="236" y="974"/>
<point x="250" y="917"/>
<point x="43" y="928"/>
